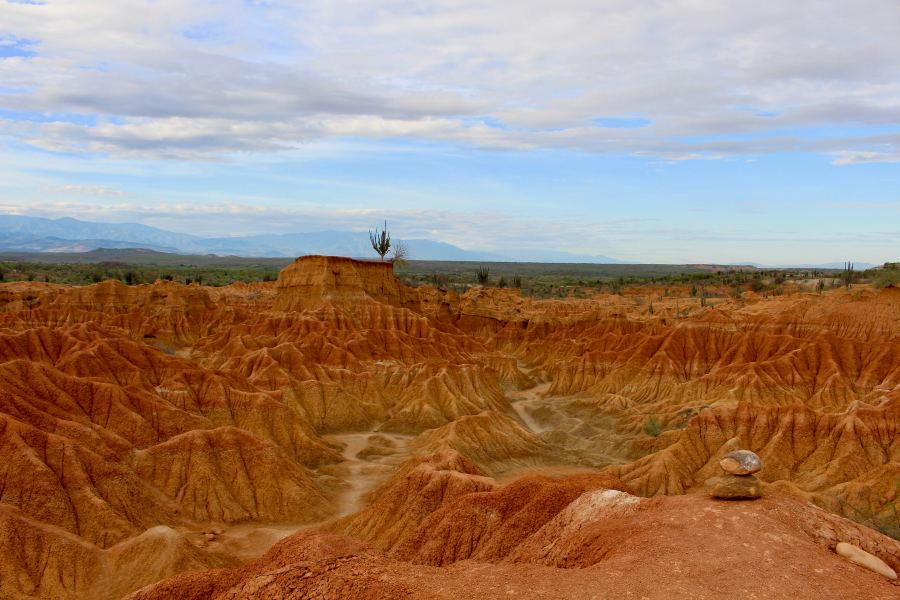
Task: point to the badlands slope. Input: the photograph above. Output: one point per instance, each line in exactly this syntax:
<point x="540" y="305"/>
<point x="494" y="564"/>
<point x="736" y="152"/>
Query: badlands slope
<point x="161" y="439"/>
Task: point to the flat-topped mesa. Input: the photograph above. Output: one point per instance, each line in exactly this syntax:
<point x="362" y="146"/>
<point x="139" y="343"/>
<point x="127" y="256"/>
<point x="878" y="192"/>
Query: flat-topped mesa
<point x="310" y="281"/>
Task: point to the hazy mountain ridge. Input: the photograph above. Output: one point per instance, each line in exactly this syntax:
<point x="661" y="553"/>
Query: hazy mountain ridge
<point x="20" y="233"/>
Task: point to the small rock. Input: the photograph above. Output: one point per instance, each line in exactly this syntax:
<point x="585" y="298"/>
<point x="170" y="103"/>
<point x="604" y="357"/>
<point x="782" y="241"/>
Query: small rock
<point x="741" y="462"/>
<point x="210" y="536"/>
<point x="864" y="559"/>
<point x="732" y="487"/>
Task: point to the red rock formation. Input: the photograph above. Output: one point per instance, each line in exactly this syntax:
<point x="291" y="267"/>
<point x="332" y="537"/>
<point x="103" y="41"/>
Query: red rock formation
<point x="134" y="419"/>
<point x="313" y="280"/>
<point x="492" y="440"/>
<point x="596" y="545"/>
<point x="418" y="489"/>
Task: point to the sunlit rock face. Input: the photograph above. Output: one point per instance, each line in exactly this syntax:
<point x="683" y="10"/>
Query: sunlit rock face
<point x="423" y="438"/>
<point x="313" y="280"/>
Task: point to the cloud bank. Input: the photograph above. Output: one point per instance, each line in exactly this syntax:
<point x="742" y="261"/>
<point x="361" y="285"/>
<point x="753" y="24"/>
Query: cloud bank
<point x="689" y="80"/>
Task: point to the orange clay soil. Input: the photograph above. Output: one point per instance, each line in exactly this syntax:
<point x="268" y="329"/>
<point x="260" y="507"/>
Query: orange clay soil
<point x="419" y="442"/>
<point x="602" y="544"/>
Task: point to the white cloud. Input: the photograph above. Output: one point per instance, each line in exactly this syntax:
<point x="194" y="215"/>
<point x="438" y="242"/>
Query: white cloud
<point x="189" y="80"/>
<point x="856" y="157"/>
<point x="88" y="190"/>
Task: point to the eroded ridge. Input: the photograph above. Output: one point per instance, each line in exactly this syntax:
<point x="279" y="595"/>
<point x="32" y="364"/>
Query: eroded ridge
<point x="405" y="440"/>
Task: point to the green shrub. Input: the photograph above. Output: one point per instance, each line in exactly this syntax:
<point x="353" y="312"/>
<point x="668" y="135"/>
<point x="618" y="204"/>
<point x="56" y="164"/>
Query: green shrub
<point x="887" y="277"/>
<point x="652" y="427"/>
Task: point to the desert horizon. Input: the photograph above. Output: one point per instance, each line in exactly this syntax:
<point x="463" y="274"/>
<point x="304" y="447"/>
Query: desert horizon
<point x="449" y="300"/>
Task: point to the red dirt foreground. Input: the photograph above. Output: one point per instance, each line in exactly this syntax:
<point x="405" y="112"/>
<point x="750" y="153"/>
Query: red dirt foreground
<point x="337" y="434"/>
<point x="604" y="544"/>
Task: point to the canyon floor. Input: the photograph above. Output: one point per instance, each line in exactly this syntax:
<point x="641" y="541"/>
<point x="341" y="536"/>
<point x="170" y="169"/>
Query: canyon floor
<point x="335" y="434"/>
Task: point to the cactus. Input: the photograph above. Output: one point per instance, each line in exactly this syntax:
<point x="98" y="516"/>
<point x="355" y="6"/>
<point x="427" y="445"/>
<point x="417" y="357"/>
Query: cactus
<point x="381" y="241"/>
<point x="848" y="274"/>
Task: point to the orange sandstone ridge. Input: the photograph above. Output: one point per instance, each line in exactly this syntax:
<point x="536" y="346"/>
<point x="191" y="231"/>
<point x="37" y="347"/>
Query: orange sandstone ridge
<point x="412" y="442"/>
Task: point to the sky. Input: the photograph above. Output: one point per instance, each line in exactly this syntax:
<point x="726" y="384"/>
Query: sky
<point x="654" y="131"/>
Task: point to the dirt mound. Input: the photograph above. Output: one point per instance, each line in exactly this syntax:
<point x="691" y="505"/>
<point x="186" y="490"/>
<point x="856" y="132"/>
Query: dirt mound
<point x="490" y="525"/>
<point x="227" y="475"/>
<point x="42" y="561"/>
<point x="848" y="462"/>
<point x="419" y="488"/>
<point x="492" y="440"/>
<point x="596" y="545"/>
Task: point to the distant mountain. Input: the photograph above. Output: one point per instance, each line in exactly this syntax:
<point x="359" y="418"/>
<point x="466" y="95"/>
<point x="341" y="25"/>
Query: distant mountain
<point x="20" y="233"/>
<point x="859" y="266"/>
<point x="556" y="256"/>
<point x="337" y="243"/>
<point x="19" y="229"/>
<point x="24" y="243"/>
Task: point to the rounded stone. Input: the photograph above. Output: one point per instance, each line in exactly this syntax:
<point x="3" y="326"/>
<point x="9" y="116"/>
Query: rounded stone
<point x="864" y="559"/>
<point x="731" y="487"/>
<point x="741" y="462"/>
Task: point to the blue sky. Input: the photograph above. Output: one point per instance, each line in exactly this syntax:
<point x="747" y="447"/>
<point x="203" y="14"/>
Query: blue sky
<point x="674" y="131"/>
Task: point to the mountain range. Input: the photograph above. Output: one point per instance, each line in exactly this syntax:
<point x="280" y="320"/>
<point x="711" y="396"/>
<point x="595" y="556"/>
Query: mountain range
<point x="20" y="233"/>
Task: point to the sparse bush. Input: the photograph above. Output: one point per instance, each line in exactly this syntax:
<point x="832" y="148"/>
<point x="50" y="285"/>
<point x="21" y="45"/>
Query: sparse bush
<point x="439" y="281"/>
<point x="688" y="413"/>
<point x="501" y="282"/>
<point x="400" y="256"/>
<point x="516" y="282"/>
<point x="652" y="427"/>
<point x="883" y="278"/>
<point x="483" y="274"/>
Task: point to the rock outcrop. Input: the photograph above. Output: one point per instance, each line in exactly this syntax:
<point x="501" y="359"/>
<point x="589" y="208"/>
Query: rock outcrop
<point x="313" y="280"/>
